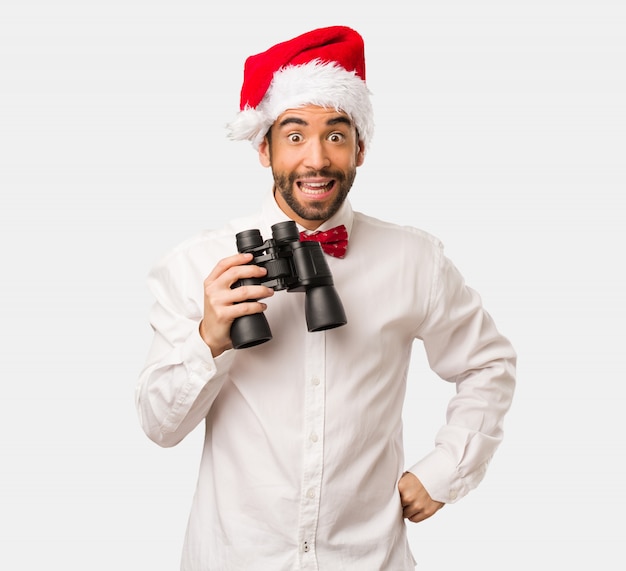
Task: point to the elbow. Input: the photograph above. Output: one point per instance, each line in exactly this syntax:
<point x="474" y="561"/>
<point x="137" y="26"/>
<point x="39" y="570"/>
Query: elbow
<point x="162" y="438"/>
<point x="156" y="431"/>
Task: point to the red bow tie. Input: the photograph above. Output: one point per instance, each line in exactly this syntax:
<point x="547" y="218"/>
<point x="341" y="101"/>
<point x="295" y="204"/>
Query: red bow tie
<point x="334" y="241"/>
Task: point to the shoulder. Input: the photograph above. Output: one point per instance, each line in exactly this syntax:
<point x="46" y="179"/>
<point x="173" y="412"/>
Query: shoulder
<point x="207" y="246"/>
<point x="198" y="246"/>
<point x="389" y="234"/>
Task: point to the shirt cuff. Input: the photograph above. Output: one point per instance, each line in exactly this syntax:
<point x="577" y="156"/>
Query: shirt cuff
<point x="201" y="369"/>
<point x="199" y="361"/>
<point x="438" y="474"/>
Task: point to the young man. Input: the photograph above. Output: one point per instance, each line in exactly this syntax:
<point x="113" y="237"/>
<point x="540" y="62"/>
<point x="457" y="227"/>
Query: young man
<point x="303" y="464"/>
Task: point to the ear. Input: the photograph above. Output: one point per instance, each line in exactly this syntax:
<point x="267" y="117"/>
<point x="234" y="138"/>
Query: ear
<point x="360" y="154"/>
<point x="264" y="153"/>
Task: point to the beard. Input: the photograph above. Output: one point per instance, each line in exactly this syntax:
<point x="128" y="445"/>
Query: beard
<point x="285" y="183"/>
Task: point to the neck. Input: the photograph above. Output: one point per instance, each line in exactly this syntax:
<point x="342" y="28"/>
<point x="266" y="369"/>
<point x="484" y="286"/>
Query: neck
<point x="304" y="222"/>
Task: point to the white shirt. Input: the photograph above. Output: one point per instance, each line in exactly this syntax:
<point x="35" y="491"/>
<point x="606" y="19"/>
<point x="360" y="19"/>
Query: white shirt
<point x="303" y="447"/>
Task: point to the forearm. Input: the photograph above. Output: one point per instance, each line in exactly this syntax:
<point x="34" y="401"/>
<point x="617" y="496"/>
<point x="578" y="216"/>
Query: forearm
<point x="465" y="445"/>
<point x="465" y="347"/>
<point x="177" y="388"/>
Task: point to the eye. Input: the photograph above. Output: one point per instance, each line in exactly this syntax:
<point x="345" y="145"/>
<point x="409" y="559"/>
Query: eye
<point x="294" y="137"/>
<point x="336" y="137"/>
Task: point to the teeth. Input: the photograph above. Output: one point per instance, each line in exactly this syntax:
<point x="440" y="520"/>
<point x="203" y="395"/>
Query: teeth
<point x="314" y="187"/>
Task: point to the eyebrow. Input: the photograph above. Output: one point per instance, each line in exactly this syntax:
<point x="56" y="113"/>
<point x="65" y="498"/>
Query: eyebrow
<point x="340" y="119"/>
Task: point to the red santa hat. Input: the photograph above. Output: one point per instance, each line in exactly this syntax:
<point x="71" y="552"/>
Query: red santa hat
<point x="324" y="67"/>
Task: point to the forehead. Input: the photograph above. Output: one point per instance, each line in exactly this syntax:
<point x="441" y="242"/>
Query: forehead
<point x="313" y="115"/>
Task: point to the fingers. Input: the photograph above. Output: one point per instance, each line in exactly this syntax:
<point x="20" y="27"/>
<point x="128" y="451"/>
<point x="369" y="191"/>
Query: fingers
<point x="236" y="260"/>
<point x="218" y="285"/>
<point x="417" y="513"/>
<point x="417" y="505"/>
<point x="223" y="304"/>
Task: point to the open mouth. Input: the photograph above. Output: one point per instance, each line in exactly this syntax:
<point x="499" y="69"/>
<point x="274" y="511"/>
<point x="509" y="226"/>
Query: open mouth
<point x="316" y="189"/>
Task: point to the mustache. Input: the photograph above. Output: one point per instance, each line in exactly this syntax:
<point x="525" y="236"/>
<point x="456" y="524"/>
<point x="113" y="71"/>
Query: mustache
<point x="323" y="173"/>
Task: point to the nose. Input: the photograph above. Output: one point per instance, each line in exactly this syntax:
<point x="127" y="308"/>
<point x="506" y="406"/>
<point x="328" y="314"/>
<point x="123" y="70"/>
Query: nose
<point x="316" y="155"/>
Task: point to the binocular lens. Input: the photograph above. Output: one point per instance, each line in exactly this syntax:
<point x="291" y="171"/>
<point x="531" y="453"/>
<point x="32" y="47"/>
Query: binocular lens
<point x="250" y="330"/>
<point x="323" y="309"/>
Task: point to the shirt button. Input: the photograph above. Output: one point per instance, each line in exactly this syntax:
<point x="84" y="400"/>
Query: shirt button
<point x="310" y="493"/>
<point x="315" y="381"/>
<point x="314" y="437"/>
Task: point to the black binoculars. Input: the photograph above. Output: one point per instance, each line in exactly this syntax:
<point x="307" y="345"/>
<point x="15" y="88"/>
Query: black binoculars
<point x="292" y="265"/>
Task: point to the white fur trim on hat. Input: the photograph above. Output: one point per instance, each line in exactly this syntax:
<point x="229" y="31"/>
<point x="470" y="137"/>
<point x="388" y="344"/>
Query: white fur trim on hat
<point x="313" y="83"/>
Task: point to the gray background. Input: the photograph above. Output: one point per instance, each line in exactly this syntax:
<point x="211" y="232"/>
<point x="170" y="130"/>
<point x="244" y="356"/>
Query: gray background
<point x="501" y="128"/>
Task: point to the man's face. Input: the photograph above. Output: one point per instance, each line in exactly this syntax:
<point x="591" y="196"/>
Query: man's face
<point x="313" y="153"/>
